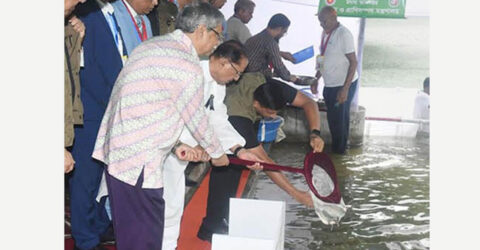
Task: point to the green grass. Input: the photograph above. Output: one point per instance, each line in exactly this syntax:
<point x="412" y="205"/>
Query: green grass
<point x="396" y="52"/>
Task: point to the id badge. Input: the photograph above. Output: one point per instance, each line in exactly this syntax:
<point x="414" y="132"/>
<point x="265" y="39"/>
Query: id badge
<point x="320" y="63"/>
<point x="82" y="64"/>
<point x="124" y="59"/>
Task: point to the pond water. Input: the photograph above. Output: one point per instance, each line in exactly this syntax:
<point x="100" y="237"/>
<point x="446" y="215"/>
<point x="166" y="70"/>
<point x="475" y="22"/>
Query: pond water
<point x="385" y="185"/>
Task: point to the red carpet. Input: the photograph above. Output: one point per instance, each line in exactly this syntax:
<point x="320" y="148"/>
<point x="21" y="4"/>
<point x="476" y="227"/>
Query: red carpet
<point x="194" y="213"/>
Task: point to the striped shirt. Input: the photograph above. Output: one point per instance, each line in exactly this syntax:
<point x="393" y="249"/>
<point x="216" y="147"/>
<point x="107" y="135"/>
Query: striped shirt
<point x="262" y="49"/>
<point x="158" y="92"/>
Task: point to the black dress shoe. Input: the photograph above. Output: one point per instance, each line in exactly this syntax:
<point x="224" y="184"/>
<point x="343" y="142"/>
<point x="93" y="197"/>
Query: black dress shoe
<point x="206" y="234"/>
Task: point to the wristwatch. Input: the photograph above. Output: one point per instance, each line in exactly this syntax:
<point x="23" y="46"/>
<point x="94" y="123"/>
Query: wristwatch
<point x="315" y="132"/>
<point x="235" y="152"/>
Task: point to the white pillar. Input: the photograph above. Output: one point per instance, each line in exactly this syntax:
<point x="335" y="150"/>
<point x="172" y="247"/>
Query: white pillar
<point x="361" y="39"/>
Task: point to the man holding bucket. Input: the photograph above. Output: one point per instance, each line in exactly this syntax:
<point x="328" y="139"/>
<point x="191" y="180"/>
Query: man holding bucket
<point x="252" y="98"/>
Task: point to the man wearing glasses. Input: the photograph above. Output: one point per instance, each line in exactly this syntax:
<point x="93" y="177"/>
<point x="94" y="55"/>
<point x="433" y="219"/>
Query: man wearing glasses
<point x="250" y="99"/>
<point x="219" y="36"/>
<point x="225" y="64"/>
<point x="157" y="94"/>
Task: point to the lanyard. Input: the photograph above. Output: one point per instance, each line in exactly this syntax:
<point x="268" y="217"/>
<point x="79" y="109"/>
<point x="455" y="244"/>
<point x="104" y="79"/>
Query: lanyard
<point x="323" y="45"/>
<point x="143" y="34"/>
<point x="116" y="35"/>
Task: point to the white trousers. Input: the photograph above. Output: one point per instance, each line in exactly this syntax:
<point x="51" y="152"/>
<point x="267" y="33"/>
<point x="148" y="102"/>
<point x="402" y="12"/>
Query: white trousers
<point x="174" y="195"/>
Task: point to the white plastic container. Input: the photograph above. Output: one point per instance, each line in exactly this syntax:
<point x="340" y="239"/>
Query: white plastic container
<point x="253" y="225"/>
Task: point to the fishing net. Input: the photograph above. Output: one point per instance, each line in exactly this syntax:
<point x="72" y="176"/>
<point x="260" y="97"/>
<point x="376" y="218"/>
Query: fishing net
<point x="321" y="178"/>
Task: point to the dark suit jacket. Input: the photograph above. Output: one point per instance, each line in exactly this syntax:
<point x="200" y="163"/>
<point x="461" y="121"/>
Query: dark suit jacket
<point x="102" y="62"/>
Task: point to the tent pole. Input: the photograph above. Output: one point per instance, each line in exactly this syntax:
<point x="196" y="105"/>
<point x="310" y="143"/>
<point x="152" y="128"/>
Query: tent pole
<point x="361" y="39"/>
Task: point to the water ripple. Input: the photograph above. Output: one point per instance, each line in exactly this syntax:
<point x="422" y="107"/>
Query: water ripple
<point x="385" y="186"/>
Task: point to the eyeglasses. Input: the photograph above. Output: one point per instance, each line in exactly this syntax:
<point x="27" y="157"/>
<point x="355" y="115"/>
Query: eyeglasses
<point x="239" y="74"/>
<point x="219" y="36"/>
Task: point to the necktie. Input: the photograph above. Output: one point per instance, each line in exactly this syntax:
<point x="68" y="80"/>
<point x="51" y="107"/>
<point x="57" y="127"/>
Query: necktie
<point x="138" y="21"/>
<point x="113" y="27"/>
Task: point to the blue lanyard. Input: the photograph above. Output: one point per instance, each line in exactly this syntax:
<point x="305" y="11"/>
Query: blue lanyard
<point x="113" y="27"/>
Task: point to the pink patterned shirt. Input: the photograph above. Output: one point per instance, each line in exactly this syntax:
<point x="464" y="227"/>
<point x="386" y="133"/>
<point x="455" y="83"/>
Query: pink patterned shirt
<point x="157" y="93"/>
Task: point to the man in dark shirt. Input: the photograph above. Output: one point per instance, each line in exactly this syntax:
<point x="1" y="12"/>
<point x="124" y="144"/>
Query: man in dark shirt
<point x="264" y="53"/>
<point x="252" y="98"/>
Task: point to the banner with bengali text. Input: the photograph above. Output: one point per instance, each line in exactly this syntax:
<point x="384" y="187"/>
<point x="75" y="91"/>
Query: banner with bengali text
<point x="367" y="8"/>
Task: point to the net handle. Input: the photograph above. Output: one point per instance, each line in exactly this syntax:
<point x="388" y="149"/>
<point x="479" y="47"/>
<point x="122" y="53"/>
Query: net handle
<point x="334" y="197"/>
<point x="266" y="166"/>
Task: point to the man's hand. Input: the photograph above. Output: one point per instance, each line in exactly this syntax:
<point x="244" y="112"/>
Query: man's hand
<point x="287" y="56"/>
<point x="201" y="154"/>
<point x="316" y="143"/>
<point x="298" y="81"/>
<point x="68" y="162"/>
<point x="78" y="26"/>
<point x="256" y="166"/>
<point x="342" y="95"/>
<point x="220" y="161"/>
<point x="293" y="78"/>
<point x="245" y="154"/>
<point x="185" y="153"/>
<point x="314" y="87"/>
<point x="304" y="198"/>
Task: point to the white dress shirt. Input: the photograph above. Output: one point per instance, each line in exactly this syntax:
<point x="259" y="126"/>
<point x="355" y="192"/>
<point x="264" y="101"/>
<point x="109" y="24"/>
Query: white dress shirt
<point x="218" y="117"/>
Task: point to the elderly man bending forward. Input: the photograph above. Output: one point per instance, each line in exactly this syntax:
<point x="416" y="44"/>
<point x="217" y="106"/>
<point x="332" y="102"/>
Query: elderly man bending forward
<point x="157" y="94"/>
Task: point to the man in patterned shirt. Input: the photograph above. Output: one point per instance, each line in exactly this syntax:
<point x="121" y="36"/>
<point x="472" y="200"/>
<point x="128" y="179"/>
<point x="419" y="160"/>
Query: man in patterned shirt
<point x="158" y="93"/>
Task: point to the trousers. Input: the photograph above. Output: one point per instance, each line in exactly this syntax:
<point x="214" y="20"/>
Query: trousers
<point x="338" y="116"/>
<point x="88" y="217"/>
<point x="174" y="195"/>
<point x="222" y="186"/>
<point x="138" y="214"/>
